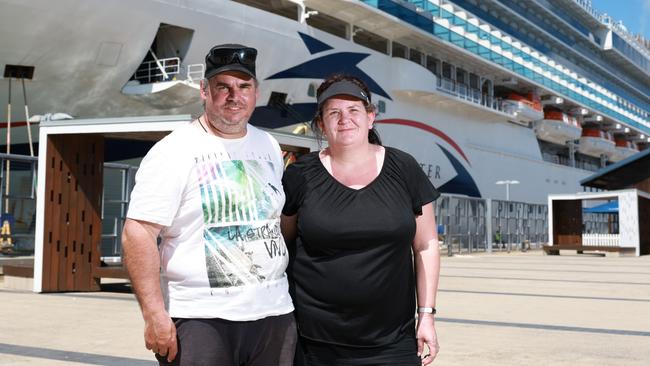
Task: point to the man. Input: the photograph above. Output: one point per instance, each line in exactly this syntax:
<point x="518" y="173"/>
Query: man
<point x="214" y="292"/>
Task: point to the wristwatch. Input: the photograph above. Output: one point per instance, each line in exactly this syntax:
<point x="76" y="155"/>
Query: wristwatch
<point x="426" y="310"/>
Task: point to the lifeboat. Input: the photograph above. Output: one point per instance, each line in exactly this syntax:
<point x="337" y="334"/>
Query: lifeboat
<point x="526" y="108"/>
<point x="624" y="149"/>
<point x="557" y="127"/>
<point x="595" y="142"/>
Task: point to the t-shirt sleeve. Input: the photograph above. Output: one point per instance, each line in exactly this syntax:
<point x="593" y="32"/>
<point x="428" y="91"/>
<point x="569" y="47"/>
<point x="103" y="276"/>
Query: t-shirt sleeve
<point x="419" y="185"/>
<point x="278" y="161"/>
<point x="293" y="182"/>
<point x="159" y="185"/>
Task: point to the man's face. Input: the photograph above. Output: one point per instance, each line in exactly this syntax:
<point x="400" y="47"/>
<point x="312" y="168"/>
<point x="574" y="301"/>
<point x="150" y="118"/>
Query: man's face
<point x="229" y="102"/>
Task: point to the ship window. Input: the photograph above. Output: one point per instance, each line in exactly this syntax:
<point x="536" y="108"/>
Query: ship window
<point x="381" y="106"/>
<point x="311" y="90"/>
<point x="399" y="50"/>
<point x="474" y="81"/>
<point x="370" y="40"/>
<point x="461" y="76"/>
<point x="433" y="64"/>
<point x="279" y="7"/>
<point x="447" y="70"/>
<point x="328" y="24"/>
<point x="415" y="56"/>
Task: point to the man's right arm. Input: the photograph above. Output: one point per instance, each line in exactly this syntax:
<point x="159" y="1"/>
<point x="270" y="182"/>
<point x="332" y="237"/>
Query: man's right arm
<point x="142" y="260"/>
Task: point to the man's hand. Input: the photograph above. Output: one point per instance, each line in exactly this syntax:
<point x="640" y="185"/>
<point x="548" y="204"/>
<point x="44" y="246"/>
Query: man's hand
<point x="426" y="334"/>
<point x="160" y="335"/>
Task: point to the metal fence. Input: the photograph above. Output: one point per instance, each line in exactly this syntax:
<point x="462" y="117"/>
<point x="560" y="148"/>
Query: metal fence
<point x="18" y="203"/>
<point x="464" y="226"/>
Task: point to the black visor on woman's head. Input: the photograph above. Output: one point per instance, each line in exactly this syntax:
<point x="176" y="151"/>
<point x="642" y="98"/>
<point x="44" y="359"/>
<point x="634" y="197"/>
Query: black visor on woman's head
<point x="343" y="87"/>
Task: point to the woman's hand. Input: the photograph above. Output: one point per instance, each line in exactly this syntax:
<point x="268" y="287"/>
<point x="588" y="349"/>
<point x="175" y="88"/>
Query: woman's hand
<point x="426" y="334"/>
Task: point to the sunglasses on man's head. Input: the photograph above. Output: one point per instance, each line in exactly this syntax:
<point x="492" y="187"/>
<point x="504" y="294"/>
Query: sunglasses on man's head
<point x="226" y="56"/>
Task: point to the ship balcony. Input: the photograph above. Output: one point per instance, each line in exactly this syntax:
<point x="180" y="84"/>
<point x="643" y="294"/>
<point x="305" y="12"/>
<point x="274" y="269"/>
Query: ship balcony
<point x="469" y="95"/>
<point x="456" y="26"/>
<point x="165" y="83"/>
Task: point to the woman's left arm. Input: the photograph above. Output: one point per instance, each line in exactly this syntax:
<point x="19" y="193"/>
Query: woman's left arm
<point x="426" y="255"/>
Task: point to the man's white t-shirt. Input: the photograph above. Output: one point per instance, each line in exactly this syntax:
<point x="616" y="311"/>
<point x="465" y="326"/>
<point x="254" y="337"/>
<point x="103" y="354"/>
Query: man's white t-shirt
<point x="219" y="200"/>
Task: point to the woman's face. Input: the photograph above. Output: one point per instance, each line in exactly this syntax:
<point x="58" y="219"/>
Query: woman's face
<point x="345" y="122"/>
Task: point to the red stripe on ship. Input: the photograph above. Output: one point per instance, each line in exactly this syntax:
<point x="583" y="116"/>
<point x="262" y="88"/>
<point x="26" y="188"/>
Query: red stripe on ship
<point x="425" y="127"/>
<point x="17" y="124"/>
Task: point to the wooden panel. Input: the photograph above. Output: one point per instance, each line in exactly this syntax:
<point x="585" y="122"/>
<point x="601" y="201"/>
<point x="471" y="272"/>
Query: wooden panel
<point x="567" y="222"/>
<point x="68" y="200"/>
<point x="643" y="185"/>
<point x="644" y="227"/>
<point x="74" y="179"/>
<point x="52" y="243"/>
<point x="18" y="271"/>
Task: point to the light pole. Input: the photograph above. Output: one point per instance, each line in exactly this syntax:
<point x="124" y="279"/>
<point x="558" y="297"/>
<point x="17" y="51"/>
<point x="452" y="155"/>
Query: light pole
<point x="507" y="183"/>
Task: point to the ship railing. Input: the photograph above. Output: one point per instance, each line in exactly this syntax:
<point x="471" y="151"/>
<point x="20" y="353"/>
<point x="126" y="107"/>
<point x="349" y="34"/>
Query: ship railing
<point x="465" y="92"/>
<point x="586" y="5"/>
<point x="195" y="72"/>
<point x="601" y="240"/>
<point x="164" y="69"/>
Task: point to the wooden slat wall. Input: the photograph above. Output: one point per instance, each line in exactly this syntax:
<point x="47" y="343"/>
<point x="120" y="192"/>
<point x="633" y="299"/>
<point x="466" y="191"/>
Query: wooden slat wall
<point x="643" y="185"/>
<point x="567" y="222"/>
<point x="73" y="189"/>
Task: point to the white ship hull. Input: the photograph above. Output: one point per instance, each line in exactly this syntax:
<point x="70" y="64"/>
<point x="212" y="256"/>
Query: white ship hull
<point x="85" y="51"/>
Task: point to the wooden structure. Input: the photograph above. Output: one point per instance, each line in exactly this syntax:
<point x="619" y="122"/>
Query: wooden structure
<point x="68" y="209"/>
<point x="628" y="182"/>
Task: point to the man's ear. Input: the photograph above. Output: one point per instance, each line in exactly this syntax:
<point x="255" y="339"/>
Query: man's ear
<point x="204" y="90"/>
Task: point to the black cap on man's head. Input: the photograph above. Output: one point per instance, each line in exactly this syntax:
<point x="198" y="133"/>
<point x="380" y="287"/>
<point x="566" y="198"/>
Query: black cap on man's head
<point x="230" y="57"/>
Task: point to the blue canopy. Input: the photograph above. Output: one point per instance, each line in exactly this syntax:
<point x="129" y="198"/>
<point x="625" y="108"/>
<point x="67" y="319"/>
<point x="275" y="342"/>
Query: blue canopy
<point x="608" y="207"/>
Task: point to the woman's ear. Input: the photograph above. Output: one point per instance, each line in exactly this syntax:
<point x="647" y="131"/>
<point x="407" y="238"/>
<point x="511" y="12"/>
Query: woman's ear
<point x="371" y="118"/>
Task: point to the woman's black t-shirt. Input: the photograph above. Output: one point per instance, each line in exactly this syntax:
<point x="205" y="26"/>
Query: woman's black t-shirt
<point x="351" y="270"/>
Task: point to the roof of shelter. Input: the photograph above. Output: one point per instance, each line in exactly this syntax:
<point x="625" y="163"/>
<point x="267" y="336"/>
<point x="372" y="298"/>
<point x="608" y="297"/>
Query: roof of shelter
<point x="622" y="174"/>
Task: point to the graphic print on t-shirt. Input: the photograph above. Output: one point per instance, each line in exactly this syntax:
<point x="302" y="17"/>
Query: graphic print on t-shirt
<point x="242" y="239"/>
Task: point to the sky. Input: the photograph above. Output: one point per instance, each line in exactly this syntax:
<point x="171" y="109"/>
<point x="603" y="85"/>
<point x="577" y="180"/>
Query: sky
<point x="635" y="14"/>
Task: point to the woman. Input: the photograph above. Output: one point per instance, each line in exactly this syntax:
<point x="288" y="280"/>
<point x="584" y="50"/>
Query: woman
<point x="357" y="211"/>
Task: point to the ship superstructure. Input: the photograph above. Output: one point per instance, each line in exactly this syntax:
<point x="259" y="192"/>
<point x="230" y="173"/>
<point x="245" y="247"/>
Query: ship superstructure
<point x="541" y="92"/>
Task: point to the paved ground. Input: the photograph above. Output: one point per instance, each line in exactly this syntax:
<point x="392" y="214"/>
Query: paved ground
<point x="499" y="309"/>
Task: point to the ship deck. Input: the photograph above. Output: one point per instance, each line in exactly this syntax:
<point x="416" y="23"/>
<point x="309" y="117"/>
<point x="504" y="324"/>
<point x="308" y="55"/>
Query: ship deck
<point x="493" y="309"/>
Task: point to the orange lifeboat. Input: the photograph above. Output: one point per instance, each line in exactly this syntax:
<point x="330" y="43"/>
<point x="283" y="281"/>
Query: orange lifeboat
<point x="557" y="127"/>
<point x="624" y="149"/>
<point x="526" y="108"/>
<point x="595" y="142"/>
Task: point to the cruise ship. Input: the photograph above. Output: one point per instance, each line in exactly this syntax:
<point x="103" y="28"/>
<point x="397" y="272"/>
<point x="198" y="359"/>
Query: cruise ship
<point x="496" y="99"/>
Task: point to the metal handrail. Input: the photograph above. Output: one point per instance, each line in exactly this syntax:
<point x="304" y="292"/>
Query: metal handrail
<point x="195" y="72"/>
<point x="158" y="70"/>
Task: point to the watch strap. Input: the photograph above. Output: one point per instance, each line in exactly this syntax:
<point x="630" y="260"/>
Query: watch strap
<point x="425" y="309"/>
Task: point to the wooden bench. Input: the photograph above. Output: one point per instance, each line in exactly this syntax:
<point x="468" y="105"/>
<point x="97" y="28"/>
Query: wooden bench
<point x="580" y="249"/>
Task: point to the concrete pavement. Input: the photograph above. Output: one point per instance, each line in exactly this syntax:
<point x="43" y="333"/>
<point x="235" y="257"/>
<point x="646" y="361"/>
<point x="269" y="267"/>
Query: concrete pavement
<point x="493" y="309"/>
